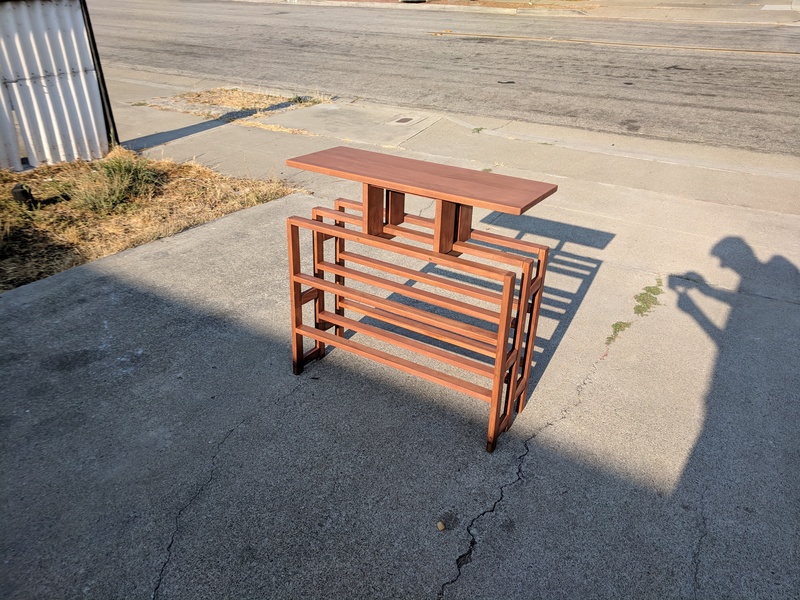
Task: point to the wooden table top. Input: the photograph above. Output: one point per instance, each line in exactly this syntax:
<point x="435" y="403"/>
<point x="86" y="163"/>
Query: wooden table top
<point x="502" y="193"/>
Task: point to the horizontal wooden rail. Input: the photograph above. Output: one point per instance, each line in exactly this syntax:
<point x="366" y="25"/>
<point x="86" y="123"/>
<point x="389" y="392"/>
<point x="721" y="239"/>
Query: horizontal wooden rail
<point x="402" y="364"/>
<point x="404" y="290"/>
<point x="447" y="336"/>
<point x="411" y="312"/>
<point x="450" y="358"/>
<point x="460" y="264"/>
<point x="467" y="247"/>
<point x="424" y="278"/>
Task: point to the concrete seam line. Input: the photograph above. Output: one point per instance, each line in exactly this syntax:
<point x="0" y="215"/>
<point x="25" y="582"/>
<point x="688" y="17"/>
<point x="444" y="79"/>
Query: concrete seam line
<point x="200" y="490"/>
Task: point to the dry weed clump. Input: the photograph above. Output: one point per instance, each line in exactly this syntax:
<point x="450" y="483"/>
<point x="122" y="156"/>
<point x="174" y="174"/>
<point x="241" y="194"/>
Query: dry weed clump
<point x="86" y="210"/>
<point x="236" y="98"/>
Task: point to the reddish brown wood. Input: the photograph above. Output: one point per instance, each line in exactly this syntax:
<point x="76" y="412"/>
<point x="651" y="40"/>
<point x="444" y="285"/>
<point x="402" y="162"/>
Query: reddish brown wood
<point x="459" y="264"/>
<point x="465" y="308"/>
<point x="409" y="234"/>
<point x="422" y="348"/>
<point x="444" y="231"/>
<point x="426" y="278"/>
<point x="533" y="321"/>
<point x="373" y="213"/>
<point x="493" y="191"/>
<point x="395" y="207"/>
<point x="464" y="223"/>
<point x="295" y="297"/>
<point x="399" y="363"/>
<point x="409" y="312"/>
<point x="437" y="333"/>
<point x="525" y="307"/>
<point x="496" y="410"/>
<point x="508" y="345"/>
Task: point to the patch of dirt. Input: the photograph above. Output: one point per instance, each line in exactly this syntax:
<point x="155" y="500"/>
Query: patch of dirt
<point x="71" y="213"/>
<point x="234" y="105"/>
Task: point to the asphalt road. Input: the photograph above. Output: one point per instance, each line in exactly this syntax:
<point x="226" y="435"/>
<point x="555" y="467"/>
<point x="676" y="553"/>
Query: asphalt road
<point x="715" y="84"/>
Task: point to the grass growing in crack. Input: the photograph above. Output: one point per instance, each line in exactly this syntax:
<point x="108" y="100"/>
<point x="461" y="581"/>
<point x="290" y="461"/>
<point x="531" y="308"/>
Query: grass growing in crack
<point x="646" y="300"/>
<point x="81" y="211"/>
<point x="616" y="329"/>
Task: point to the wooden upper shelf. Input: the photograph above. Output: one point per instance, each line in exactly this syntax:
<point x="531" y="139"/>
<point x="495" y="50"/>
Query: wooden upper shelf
<point x="493" y="191"/>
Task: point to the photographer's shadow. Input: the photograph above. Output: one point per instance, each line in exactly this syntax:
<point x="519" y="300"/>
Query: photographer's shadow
<point x="743" y="469"/>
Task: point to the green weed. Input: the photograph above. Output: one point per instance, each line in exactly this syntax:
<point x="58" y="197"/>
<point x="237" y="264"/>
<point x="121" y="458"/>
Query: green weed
<point x="116" y="180"/>
<point x="616" y="329"/>
<point x="646" y="300"/>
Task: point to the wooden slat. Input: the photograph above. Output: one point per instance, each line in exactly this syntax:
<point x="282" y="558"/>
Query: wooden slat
<point x="463" y="246"/>
<point x="507" y="242"/>
<point x="491" y="254"/>
<point x="493" y="191"/>
<point x="425" y="278"/>
<point x="400" y="309"/>
<point x="398" y="363"/>
<point x="473" y="366"/>
<point x="444" y="231"/>
<point x="395" y="207"/>
<point x="295" y="295"/>
<point x="410" y="234"/>
<point x="410" y="292"/>
<point x="309" y="295"/>
<point x="319" y="212"/>
<point x="447" y="336"/>
<point x="460" y="264"/>
<point x="464" y="225"/>
<point x="346" y="203"/>
<point x="373" y="216"/>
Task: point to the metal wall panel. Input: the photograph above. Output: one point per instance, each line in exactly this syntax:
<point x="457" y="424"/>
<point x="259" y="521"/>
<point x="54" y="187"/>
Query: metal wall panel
<point x="50" y="82"/>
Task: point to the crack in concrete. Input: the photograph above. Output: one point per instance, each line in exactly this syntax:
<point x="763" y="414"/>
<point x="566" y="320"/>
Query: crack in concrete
<point x="466" y="558"/>
<point x="430" y="205"/>
<point x="189" y="503"/>
<point x="699" y="547"/>
<point x="199" y="491"/>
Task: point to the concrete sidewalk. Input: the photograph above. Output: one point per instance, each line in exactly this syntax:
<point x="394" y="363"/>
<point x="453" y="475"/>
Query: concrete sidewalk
<point x="156" y="444"/>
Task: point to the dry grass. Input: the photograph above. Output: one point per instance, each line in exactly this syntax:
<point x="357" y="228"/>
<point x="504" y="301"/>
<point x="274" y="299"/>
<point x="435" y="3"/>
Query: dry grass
<point x="235" y="104"/>
<point x="85" y="210"/>
<point x="235" y="98"/>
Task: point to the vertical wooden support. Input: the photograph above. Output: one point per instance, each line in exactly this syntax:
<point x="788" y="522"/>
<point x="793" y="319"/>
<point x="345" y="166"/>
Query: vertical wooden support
<point x="338" y="249"/>
<point x="503" y="329"/>
<point x="525" y="284"/>
<point x="395" y="207"/>
<point x="444" y="231"/>
<point x="319" y="302"/>
<point x="536" y="305"/>
<point x="464" y="224"/>
<point x="293" y="234"/>
<point x="373" y="209"/>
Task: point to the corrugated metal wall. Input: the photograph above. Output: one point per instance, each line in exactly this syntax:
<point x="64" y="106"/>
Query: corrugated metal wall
<point x="50" y="83"/>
